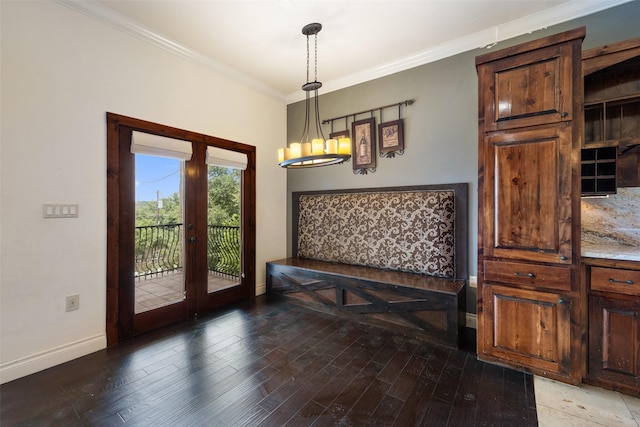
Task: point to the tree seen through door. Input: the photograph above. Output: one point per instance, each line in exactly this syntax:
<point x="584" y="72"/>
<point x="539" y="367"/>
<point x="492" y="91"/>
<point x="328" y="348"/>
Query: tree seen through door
<point x="159" y="236"/>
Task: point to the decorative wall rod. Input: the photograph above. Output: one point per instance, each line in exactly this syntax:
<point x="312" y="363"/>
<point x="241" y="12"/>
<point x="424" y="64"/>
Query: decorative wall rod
<point x="407" y="102"/>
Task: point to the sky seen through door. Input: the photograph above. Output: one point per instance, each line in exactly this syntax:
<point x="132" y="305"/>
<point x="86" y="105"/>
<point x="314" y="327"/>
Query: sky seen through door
<point x="155" y="174"/>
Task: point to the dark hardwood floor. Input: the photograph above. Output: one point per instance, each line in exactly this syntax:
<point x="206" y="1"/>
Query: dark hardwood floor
<point x="269" y="363"/>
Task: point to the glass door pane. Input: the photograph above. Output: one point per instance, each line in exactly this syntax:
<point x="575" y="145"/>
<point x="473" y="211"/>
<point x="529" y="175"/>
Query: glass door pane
<point x="159" y="242"/>
<point x="223" y="228"/>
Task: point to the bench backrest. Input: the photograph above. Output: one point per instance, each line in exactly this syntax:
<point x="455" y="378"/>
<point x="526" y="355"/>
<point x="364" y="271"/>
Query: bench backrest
<point x="418" y="229"/>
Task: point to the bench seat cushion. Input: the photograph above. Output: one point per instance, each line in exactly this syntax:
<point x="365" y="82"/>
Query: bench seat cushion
<point x="377" y="275"/>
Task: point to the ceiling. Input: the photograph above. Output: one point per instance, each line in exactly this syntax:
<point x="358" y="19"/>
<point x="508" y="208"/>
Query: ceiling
<point x="261" y="43"/>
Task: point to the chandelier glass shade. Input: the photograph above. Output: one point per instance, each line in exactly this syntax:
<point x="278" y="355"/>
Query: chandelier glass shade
<point x="317" y="151"/>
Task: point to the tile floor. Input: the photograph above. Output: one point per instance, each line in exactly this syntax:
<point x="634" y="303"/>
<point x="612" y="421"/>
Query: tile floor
<point x="563" y="405"/>
<point x="167" y="289"/>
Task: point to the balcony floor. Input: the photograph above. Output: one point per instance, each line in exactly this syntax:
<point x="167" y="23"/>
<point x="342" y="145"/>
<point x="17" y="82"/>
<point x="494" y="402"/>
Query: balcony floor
<point x="159" y="291"/>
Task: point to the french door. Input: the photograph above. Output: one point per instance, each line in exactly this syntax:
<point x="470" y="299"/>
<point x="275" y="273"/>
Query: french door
<point x="181" y="234"/>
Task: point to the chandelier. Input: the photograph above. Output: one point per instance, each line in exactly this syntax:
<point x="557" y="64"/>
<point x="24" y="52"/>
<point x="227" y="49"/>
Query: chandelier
<point x="319" y="151"/>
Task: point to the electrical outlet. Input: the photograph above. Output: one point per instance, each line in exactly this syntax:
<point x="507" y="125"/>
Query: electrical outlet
<point x="473" y="281"/>
<point x="472" y="320"/>
<point x="73" y="302"/>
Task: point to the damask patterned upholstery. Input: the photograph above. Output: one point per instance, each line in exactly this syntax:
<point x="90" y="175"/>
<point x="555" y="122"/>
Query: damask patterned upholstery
<point x="410" y="231"/>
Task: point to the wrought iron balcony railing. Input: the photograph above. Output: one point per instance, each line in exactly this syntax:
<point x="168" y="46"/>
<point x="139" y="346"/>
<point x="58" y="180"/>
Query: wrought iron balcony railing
<point x="223" y="250"/>
<point x="159" y="250"/>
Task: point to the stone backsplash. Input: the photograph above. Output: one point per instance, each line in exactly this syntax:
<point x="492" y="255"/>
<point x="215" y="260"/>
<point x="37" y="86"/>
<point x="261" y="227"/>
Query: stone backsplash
<point x="614" y="220"/>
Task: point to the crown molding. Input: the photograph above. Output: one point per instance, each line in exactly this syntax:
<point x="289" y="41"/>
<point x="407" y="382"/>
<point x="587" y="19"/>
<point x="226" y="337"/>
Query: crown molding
<point x="120" y="22"/>
<point x="487" y="38"/>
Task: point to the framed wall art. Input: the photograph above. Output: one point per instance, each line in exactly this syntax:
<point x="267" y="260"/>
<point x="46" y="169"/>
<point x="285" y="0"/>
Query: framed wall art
<point x="363" y="146"/>
<point x="391" y="138"/>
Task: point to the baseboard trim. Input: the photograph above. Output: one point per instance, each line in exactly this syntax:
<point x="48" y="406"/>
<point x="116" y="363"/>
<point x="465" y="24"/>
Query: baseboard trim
<point x="28" y="365"/>
<point x="261" y="289"/>
<point x="472" y="321"/>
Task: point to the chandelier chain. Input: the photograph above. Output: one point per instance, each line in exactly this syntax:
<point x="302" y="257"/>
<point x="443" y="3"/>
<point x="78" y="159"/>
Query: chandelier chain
<point x="315" y="76"/>
<point x="307" y="58"/>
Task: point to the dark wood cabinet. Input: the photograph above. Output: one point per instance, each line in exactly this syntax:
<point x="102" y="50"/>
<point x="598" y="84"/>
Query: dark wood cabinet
<point x="533" y="275"/>
<point x="527" y="191"/>
<point x="528" y="87"/>
<point x="613" y="120"/>
<point x="530" y="133"/>
<point x="613" y="341"/>
<point x="598" y="168"/>
<point x="614" y="325"/>
<point x="611" y="157"/>
<point x="540" y="338"/>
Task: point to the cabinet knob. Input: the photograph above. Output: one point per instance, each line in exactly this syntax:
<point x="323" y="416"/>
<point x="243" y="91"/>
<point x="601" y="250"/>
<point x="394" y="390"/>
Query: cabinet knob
<point x="563" y="258"/>
<point x="562" y="301"/>
<point x="564" y="114"/>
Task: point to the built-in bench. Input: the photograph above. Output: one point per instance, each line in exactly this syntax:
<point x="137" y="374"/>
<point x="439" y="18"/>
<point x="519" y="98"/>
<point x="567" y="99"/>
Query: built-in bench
<point x="389" y="256"/>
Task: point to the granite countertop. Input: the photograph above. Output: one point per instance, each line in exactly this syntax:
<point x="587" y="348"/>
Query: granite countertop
<point x="611" y="226"/>
<point x="609" y="251"/>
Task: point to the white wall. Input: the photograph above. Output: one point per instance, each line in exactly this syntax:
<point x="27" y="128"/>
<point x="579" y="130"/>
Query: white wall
<point x="61" y="71"/>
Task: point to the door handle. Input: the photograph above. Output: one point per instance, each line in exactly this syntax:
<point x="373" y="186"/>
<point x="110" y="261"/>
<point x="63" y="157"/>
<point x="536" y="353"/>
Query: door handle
<point x="192" y="239"/>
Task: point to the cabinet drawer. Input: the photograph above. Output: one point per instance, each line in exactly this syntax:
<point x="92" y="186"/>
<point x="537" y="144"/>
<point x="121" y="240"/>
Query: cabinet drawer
<point x="615" y="280"/>
<point x="519" y="273"/>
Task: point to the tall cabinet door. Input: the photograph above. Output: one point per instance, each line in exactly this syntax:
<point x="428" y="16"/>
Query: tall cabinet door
<point x="529" y="306"/>
<point x="527" y="193"/>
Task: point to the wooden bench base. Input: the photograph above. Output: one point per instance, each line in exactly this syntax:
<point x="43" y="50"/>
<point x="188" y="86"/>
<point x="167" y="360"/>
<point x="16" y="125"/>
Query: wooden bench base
<point x="429" y="306"/>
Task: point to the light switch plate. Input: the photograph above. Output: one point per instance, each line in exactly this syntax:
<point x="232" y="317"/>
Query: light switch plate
<point x="55" y="210"/>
